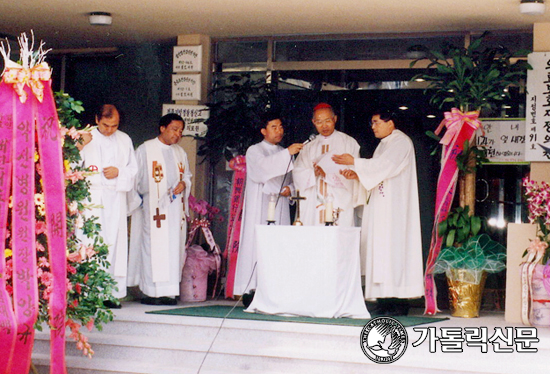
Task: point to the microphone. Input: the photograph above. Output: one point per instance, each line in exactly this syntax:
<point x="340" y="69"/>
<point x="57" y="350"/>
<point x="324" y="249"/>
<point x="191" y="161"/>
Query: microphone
<point x="311" y="137"/>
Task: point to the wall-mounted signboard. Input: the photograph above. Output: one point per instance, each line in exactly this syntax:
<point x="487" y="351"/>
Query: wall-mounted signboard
<point x="193" y="115"/>
<point x="187" y="59"/>
<point x="186" y="87"/>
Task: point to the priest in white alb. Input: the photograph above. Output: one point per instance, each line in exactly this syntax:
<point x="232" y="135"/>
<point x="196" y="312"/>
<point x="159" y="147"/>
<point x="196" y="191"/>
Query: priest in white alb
<point x="110" y="154"/>
<point x="159" y="228"/>
<point x="390" y="236"/>
<point x="318" y="178"/>
<point x="268" y="173"/>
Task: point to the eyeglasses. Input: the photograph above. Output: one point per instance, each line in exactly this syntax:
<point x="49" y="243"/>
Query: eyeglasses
<point x="323" y="121"/>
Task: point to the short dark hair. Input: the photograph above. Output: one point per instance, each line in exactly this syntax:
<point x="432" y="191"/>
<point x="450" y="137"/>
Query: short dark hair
<point x="269" y="116"/>
<point x="105" y="110"/>
<point x="168" y="118"/>
<point x="386" y="115"/>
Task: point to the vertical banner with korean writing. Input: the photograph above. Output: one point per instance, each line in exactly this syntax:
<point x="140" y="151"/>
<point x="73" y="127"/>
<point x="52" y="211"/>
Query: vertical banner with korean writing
<point x="537" y="116"/>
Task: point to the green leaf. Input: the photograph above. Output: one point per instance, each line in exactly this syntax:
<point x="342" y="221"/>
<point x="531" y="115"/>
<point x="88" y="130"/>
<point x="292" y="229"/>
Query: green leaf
<point x="450" y="238"/>
<point x="442" y="229"/>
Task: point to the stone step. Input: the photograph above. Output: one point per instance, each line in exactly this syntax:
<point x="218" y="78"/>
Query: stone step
<point x="139" y="343"/>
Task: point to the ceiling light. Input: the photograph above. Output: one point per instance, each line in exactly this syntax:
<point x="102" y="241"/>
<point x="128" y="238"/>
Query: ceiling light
<point x="403" y="107"/>
<point x="430" y="116"/>
<point x="100" y="19"/>
<point x="532" y="7"/>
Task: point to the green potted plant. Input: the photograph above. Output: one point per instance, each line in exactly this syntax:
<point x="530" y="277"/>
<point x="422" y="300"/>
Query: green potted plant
<point x="466" y="258"/>
<point x="469" y="79"/>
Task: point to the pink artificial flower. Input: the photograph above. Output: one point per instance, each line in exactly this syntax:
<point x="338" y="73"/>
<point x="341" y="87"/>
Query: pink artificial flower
<point x="74" y="257"/>
<point x="40" y="247"/>
<point x="71" y="269"/>
<point x="73" y="207"/>
<point x="40" y="227"/>
<point x="74" y="176"/>
<point x="43" y="262"/>
<point x="63" y="131"/>
<point x="86" y="251"/>
<point x="79" y="222"/>
<point x="74" y="133"/>
<point x="90" y="324"/>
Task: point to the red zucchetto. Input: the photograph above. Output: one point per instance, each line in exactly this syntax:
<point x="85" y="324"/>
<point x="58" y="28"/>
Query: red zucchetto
<point x="322" y="106"/>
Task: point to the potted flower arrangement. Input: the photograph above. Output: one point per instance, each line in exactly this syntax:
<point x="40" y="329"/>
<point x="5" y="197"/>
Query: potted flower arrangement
<point x="470" y="79"/>
<point x="466" y="258"/>
<point x="89" y="285"/>
<point x="535" y="271"/>
<point x="201" y="259"/>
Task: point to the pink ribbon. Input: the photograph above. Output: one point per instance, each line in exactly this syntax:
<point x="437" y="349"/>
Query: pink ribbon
<point x="446" y="187"/>
<point x="25" y="285"/>
<point x="49" y="145"/>
<point x="536" y="250"/>
<point x="235" y="219"/>
<point x="8" y="323"/>
<point x="21" y="77"/>
<point x="453" y="121"/>
<point x="36" y="112"/>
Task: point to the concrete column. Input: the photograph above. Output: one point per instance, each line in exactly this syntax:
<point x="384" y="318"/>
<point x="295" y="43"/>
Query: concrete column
<point x="190" y="145"/>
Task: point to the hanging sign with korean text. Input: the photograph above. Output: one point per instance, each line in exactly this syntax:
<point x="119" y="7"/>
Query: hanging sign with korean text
<point x="193" y="115"/>
<point x="537" y="108"/>
<point x="504" y="139"/>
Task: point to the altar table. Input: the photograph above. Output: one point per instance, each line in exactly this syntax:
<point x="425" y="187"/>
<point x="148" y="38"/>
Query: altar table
<point x="311" y="271"/>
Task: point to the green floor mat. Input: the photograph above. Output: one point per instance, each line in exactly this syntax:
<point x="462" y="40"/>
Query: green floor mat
<point x="221" y="311"/>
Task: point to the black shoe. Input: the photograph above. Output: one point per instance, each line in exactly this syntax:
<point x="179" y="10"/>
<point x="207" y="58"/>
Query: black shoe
<point x="112" y="305"/>
<point x="168" y="301"/>
<point x="151" y="301"/>
<point x="247" y="298"/>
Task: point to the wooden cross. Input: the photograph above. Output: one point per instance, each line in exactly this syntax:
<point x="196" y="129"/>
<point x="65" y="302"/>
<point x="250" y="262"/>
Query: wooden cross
<point x="158" y="217"/>
<point x="297" y="198"/>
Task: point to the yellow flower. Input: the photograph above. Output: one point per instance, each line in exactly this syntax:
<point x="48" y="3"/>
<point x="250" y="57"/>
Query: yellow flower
<point x="36" y="156"/>
<point x="67" y="165"/>
<point x="8" y="252"/>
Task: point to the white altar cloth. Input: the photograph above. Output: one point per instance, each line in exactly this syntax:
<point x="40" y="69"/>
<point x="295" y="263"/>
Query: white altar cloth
<point x="311" y="271"/>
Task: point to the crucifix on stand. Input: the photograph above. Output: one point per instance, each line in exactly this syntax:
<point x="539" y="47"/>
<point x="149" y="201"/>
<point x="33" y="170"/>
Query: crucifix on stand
<point x="297" y="198"/>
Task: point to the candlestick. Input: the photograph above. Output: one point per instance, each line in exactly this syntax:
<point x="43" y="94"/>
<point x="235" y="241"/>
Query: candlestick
<point x="271" y="208"/>
<point x="328" y="210"/>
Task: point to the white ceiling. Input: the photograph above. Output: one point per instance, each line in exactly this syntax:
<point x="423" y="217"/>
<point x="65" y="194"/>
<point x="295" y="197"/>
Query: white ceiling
<point x="64" y="23"/>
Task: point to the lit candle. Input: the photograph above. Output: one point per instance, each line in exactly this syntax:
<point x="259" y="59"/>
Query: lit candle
<point x="271" y="208"/>
<point x="328" y="210"/>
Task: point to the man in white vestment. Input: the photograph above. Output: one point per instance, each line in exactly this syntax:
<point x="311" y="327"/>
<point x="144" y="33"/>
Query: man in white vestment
<point x="159" y="228"/>
<point x="390" y="236"/>
<point x="318" y="178"/>
<point x="268" y="168"/>
<point x="110" y="153"/>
